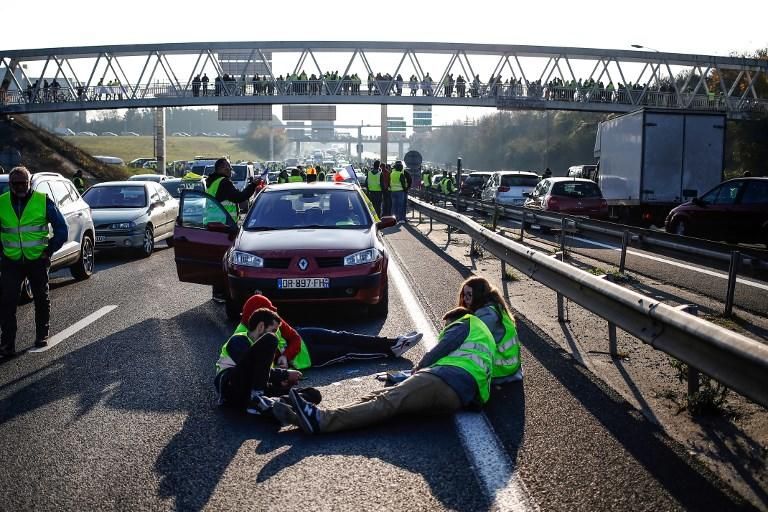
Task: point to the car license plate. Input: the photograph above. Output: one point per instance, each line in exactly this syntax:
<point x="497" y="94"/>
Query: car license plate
<point x="304" y="282"/>
<point x="100" y="238"/>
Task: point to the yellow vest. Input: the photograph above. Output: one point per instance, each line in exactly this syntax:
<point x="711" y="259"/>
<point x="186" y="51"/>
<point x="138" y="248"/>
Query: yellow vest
<point x="27" y="236"/>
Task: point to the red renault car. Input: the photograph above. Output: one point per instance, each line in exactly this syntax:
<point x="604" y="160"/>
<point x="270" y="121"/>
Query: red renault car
<point x="300" y="242"/>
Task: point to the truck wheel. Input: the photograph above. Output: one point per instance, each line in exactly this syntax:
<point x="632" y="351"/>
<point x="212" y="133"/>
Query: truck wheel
<point x="381" y="309"/>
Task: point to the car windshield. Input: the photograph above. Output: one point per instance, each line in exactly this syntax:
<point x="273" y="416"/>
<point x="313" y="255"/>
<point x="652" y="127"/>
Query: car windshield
<point x="144" y="177"/>
<point x="576" y="189"/>
<point x="116" y="197"/>
<point x="202" y="170"/>
<point x="239" y="172"/>
<point x="290" y="209"/>
<point x="510" y="180"/>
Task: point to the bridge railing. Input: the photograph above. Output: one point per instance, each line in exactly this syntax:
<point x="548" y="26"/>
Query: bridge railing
<point x="500" y="92"/>
<point x="736" y="361"/>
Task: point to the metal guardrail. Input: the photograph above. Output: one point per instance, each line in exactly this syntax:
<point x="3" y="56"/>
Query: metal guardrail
<point x="730" y="358"/>
<point x="715" y="250"/>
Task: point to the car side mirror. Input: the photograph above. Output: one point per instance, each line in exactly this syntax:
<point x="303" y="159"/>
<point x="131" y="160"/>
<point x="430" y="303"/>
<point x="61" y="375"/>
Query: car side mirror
<point x="386" y="222"/>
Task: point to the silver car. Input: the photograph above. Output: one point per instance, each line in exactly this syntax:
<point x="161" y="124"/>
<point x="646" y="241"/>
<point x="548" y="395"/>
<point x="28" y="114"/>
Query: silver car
<point x="77" y="251"/>
<point x="132" y="215"/>
<point x="509" y="187"/>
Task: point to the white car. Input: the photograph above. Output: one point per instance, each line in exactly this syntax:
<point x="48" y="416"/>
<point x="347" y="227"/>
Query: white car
<point x="77" y="251"/>
<point x="509" y="187"/>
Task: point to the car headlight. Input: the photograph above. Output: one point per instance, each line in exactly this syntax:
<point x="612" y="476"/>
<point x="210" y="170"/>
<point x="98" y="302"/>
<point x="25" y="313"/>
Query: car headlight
<point x="361" y="257"/>
<point x="123" y="225"/>
<point x="245" y="259"/>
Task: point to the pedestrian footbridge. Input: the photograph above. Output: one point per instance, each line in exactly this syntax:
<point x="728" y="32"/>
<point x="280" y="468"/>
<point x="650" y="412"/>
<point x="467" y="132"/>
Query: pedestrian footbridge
<point x="507" y="77"/>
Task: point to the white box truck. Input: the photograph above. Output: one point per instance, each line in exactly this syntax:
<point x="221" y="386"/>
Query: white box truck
<point x="651" y="161"/>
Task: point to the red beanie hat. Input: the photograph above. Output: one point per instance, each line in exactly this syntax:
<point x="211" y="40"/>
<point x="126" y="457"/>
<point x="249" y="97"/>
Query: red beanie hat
<point x="252" y="304"/>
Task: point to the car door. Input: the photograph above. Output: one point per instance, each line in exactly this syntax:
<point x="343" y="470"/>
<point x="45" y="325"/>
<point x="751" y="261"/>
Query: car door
<point x="751" y="212"/>
<point x="170" y="208"/>
<point x="713" y="218"/>
<point x="67" y="207"/>
<point x="203" y="234"/>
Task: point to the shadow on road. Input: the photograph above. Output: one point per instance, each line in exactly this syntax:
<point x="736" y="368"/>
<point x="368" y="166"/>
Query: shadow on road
<point x="167" y="366"/>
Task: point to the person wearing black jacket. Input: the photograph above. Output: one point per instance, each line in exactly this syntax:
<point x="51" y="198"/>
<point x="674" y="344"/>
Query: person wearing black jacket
<point x="26" y="253"/>
<point x="244" y="373"/>
<point x="219" y="185"/>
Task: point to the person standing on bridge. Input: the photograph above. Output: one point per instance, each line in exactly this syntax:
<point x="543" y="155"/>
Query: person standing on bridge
<point x="486" y="302"/>
<point x="454" y="374"/>
<point x="26" y="249"/>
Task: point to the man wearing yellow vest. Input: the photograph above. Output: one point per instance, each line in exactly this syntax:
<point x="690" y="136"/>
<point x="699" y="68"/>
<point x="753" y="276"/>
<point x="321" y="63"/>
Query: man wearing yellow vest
<point x="24" y="219"/>
<point x="373" y="185"/>
<point x="244" y="369"/>
<point x="219" y="185"/>
<point x="398" y="187"/>
<point x="456" y="373"/>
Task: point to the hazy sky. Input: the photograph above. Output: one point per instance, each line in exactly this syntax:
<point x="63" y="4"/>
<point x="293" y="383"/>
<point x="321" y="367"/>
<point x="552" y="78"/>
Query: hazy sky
<point x="667" y="26"/>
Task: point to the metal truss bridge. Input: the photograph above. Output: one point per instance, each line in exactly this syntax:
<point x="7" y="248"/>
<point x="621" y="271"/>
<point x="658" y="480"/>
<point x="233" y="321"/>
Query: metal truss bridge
<point x="506" y="77"/>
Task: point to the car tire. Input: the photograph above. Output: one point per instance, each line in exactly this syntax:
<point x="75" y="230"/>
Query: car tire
<point x="149" y="242"/>
<point x="680" y="227"/>
<point x="83" y="268"/>
<point x="381" y="309"/>
<point x="233" y="309"/>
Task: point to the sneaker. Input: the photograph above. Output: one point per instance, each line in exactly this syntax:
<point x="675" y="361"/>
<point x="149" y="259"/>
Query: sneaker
<point x="306" y="413"/>
<point x="41" y="342"/>
<point x="285" y="414"/>
<point x="405" y="342"/>
<point x="259" y="404"/>
<point x="219" y="297"/>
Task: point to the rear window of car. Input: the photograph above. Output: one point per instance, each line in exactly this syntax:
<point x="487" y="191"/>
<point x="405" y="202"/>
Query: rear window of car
<point x="756" y="192"/>
<point x="290" y="209"/>
<point x="510" y="180"/>
<point x="116" y="197"/>
<point x="576" y="189"/>
<point x="239" y="172"/>
<point x="477" y="179"/>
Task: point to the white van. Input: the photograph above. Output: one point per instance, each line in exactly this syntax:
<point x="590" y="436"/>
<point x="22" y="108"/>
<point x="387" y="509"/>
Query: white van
<point x="110" y="160"/>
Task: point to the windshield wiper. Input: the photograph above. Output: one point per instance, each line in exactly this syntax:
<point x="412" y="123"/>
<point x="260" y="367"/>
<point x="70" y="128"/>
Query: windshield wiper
<point x="261" y="228"/>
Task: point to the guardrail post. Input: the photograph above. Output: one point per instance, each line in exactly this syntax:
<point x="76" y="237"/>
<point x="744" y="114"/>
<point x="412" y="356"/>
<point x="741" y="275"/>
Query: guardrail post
<point x="563" y="227"/>
<point x="732" y="271"/>
<point x="560" y="308"/>
<point x="495" y="215"/>
<point x="522" y="227"/>
<point x="624" y="244"/>
<point x="694" y="375"/>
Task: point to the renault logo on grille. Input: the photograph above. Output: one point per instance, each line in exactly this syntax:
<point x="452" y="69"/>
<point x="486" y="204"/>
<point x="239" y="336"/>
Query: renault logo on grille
<point x="303" y="263"/>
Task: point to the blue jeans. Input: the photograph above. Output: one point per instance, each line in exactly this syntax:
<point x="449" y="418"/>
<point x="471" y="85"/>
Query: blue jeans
<point x="398" y="205"/>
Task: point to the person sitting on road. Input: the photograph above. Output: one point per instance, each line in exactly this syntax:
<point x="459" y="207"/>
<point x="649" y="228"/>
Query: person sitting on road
<point x="485" y="301"/>
<point x="307" y="347"/>
<point x="244" y="373"/>
<point x="453" y="375"/>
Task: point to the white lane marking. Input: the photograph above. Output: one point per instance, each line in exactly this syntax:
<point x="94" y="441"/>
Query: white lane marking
<point x="72" y="329"/>
<point x="496" y="472"/>
<point x="674" y="263"/>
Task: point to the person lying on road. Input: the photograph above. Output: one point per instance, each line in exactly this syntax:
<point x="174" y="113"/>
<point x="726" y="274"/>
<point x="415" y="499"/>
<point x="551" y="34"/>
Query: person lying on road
<point x="456" y="373"/>
<point x="307" y="347"/>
